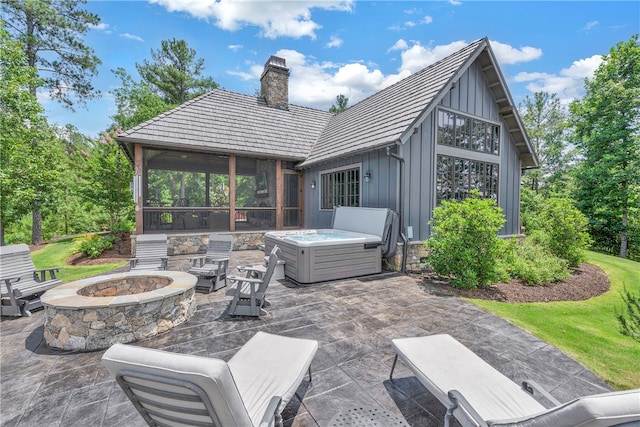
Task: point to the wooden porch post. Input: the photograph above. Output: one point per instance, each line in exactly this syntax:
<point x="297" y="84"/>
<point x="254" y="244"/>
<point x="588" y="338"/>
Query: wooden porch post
<point x="279" y="195"/>
<point x="138" y="183"/>
<point x="232" y="192"/>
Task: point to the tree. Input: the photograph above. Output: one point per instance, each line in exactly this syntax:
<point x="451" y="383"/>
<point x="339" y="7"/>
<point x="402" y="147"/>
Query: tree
<point x="50" y="32"/>
<point x="174" y="72"/>
<point x="342" y="102"/>
<point x="607" y="127"/>
<point x="546" y="123"/>
<point x="51" y="35"/>
<point x="106" y="176"/>
<point x="29" y="173"/>
<point x="136" y="102"/>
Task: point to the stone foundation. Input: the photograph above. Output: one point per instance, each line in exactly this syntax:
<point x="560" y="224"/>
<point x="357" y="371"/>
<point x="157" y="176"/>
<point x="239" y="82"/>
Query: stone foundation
<point x="196" y="243"/>
<point x="92" y="314"/>
<point x="416" y="253"/>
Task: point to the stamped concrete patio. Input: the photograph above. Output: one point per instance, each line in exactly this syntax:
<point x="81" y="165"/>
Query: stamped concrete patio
<point x="353" y="321"/>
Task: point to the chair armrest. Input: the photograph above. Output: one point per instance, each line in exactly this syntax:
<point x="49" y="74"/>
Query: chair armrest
<point x="531" y="387"/>
<point x="271" y="412"/>
<point x="244" y="279"/>
<point x="41" y="275"/>
<point x="194" y="260"/>
<point x="459" y="401"/>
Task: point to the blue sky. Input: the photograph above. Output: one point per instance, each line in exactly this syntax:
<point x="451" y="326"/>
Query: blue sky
<point x="353" y="48"/>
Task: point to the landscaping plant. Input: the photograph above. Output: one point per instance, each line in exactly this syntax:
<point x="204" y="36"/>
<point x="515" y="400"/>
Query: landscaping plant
<point x="629" y="318"/>
<point x="464" y="244"/>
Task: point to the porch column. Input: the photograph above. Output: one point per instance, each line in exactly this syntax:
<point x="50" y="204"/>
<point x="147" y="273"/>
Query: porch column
<point x="138" y="191"/>
<point x="279" y="195"/>
<point x="232" y="192"/>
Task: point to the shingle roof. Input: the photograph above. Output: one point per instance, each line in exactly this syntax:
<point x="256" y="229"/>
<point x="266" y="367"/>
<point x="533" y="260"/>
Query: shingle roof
<point x="385" y="117"/>
<point x="230" y="122"/>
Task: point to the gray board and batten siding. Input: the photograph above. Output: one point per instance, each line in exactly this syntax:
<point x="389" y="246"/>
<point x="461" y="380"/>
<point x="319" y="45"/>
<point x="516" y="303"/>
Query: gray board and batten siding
<point x="472" y="96"/>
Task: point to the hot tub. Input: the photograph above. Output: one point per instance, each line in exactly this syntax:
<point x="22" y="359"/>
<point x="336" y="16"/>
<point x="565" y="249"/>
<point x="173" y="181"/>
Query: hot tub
<point x="353" y="247"/>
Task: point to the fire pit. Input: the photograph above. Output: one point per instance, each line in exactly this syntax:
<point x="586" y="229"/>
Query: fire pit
<point x="94" y="313"/>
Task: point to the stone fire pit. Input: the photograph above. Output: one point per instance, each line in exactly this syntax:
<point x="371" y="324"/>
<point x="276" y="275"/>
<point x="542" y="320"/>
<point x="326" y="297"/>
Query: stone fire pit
<point x="94" y="313"/>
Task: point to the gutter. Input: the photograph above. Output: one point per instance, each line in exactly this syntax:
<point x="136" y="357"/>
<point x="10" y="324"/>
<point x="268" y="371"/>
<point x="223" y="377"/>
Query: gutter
<point x="405" y="241"/>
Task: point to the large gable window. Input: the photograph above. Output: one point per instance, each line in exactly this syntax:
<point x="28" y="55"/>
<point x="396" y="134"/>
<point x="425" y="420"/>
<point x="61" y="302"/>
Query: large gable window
<point x="460" y="131"/>
<point x="457" y="177"/>
<point x="340" y="188"/>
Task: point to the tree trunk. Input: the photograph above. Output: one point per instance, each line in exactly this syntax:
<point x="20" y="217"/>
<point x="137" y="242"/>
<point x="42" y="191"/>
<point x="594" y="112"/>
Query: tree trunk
<point x="36" y="227"/>
<point x="623" y="234"/>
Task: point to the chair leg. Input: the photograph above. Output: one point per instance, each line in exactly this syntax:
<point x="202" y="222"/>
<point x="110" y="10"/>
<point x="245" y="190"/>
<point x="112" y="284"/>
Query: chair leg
<point x="395" y="360"/>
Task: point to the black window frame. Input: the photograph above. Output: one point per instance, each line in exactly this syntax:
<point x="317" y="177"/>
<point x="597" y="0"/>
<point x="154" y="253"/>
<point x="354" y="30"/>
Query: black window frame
<point x="340" y="187"/>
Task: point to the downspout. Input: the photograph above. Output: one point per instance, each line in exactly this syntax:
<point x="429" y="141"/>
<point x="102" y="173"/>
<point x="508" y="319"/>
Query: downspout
<point x="405" y="241"/>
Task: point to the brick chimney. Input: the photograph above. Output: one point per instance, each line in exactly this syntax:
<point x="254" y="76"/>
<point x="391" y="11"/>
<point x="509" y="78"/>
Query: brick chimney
<point x="274" y="83"/>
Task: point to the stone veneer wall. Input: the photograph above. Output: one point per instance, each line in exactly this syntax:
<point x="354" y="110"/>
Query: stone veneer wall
<point x="196" y="243"/>
<point x="99" y="328"/>
<point x="416" y="253"/>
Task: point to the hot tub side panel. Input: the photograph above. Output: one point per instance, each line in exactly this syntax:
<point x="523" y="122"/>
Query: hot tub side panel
<point x="341" y="261"/>
<point x="311" y="264"/>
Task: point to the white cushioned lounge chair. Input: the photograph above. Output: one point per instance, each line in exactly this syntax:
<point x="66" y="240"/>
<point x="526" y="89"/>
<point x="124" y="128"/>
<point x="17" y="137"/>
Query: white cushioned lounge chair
<point x="251" y="389"/>
<point x="478" y="395"/>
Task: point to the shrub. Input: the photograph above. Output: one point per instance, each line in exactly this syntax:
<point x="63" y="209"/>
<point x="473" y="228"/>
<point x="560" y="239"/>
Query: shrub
<point x="94" y="244"/>
<point x="464" y="244"/>
<point x="629" y="319"/>
<point x="563" y="230"/>
<point x="535" y="265"/>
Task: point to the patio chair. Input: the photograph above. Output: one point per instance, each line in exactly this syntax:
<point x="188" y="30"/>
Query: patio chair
<point x="249" y="293"/>
<point x="151" y="252"/>
<point x="251" y="389"/>
<point x="20" y="283"/>
<point x="211" y="268"/>
<point x="478" y="395"/>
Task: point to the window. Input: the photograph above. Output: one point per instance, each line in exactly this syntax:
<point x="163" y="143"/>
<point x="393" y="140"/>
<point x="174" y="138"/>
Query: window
<point x="457" y="177"/>
<point x="460" y="131"/>
<point x="340" y="188"/>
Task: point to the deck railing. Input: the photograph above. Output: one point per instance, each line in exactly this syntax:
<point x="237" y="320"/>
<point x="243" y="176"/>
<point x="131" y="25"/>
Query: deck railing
<point x="207" y="219"/>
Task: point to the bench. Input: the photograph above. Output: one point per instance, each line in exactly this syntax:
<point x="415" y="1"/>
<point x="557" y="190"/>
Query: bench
<point x="21" y="283"/>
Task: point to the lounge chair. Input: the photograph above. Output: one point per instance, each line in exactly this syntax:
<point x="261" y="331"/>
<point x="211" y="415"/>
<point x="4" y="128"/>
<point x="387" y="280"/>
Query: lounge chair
<point x="211" y="268"/>
<point x="251" y="389"/>
<point x="151" y="252"/>
<point x="478" y="395"/>
<point x="249" y="293"/>
<point x="21" y="284"/>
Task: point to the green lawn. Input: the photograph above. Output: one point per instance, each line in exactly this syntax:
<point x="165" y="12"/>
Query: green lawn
<point x="55" y="254"/>
<point x="586" y="330"/>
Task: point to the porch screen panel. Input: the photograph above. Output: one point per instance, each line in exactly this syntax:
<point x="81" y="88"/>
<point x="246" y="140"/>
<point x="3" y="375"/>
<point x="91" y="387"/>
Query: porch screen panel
<point x="340" y="188"/>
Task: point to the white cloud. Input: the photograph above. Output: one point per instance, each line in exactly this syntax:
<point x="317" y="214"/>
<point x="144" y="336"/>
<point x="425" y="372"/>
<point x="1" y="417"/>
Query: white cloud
<point x="427" y="20"/>
<point x="274" y="18"/>
<point x="418" y="57"/>
<point x="100" y="27"/>
<point x="590" y="25"/>
<point x="455" y="2"/>
<point x="399" y="45"/>
<point x="568" y="84"/>
<point x="335" y="41"/>
<point x="410" y="24"/>
<point x="132" y="37"/>
<point x="506" y="54"/>
<point x="235" y="47"/>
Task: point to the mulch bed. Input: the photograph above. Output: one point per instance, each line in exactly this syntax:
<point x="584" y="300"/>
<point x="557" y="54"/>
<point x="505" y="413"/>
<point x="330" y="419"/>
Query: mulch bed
<point x="586" y="281"/>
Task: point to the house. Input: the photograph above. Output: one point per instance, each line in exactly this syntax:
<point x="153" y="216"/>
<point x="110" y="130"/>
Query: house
<point x="231" y="162"/>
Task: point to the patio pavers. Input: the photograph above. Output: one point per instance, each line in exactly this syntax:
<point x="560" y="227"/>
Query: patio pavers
<point x="353" y="320"/>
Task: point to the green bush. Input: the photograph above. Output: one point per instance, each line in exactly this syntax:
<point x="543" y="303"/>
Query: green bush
<point x="535" y="265"/>
<point x="629" y="318"/>
<point x="563" y="230"/>
<point x="464" y="244"/>
<point x="94" y="244"/>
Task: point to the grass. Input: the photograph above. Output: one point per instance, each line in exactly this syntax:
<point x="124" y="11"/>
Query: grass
<point x="586" y="330"/>
<point x="55" y="254"/>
